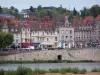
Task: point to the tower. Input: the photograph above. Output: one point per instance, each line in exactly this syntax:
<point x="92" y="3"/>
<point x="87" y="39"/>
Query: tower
<point x="66" y="21"/>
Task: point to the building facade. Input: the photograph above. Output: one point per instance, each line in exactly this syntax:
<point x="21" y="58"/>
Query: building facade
<point x="51" y="35"/>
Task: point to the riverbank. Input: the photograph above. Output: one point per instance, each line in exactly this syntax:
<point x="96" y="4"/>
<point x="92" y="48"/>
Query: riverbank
<point x="89" y="73"/>
<point x="63" y="71"/>
<point x="47" y="61"/>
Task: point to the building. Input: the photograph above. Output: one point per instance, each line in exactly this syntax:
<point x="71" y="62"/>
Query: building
<point x="66" y="35"/>
<point x="85" y="31"/>
<point x="49" y="34"/>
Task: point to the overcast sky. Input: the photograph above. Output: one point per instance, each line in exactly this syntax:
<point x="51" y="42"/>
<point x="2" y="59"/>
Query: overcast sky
<point x="69" y="4"/>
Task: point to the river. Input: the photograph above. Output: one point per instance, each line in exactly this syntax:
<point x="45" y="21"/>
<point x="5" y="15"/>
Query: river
<point x="47" y="66"/>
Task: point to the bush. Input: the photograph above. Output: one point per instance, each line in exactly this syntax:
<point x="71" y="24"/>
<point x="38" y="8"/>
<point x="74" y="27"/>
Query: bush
<point x="95" y="70"/>
<point x="62" y="71"/>
<point x="9" y="72"/>
<point x="83" y="71"/>
<point x="23" y="71"/>
<point x="2" y="72"/>
<point x="54" y="71"/>
<point x="99" y="69"/>
<point x="68" y="70"/>
<point x="39" y="71"/>
<point x="75" y="70"/>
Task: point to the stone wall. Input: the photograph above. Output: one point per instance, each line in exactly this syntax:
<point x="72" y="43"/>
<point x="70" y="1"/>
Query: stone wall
<point x="85" y="54"/>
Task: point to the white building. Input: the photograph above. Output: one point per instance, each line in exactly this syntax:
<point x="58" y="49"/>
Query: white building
<point x="66" y="37"/>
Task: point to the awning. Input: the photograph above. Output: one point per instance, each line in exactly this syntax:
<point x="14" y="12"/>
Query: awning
<point x="35" y="42"/>
<point x="26" y="44"/>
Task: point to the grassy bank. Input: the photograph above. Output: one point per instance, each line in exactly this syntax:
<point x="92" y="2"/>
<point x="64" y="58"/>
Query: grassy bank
<point x="45" y="61"/>
<point x="29" y="71"/>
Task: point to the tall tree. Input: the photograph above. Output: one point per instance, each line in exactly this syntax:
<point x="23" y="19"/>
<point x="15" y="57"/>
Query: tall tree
<point x="0" y="9"/>
<point x="74" y="12"/>
<point x="39" y="8"/>
<point x="83" y="12"/>
<point x="12" y="8"/>
<point x="32" y="9"/>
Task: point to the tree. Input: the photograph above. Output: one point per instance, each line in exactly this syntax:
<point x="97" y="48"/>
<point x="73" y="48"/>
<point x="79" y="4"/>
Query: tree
<point x="83" y="12"/>
<point x="50" y="13"/>
<point x="74" y="12"/>
<point x="6" y="39"/>
<point x="0" y="9"/>
<point x="32" y="9"/>
<point x="12" y="8"/>
<point x="39" y="8"/>
<point x="43" y="13"/>
<point x="95" y="10"/>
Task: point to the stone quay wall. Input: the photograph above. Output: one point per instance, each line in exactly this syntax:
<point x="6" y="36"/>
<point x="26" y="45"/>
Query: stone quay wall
<point x="83" y="54"/>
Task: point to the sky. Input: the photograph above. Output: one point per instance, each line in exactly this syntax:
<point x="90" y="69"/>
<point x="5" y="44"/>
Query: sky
<point x="69" y="4"/>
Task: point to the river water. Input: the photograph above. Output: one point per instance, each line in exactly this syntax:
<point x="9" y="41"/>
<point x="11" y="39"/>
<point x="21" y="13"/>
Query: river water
<point x="47" y="66"/>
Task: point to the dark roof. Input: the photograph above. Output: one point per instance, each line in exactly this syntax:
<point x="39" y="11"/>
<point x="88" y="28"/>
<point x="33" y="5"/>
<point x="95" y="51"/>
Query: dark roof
<point x="7" y="15"/>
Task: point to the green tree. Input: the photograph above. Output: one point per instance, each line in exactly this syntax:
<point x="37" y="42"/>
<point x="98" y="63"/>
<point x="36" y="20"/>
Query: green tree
<point x="75" y="12"/>
<point x="6" y="39"/>
<point x="95" y="10"/>
<point x="12" y="8"/>
<point x="32" y="9"/>
<point x="39" y="8"/>
<point x="43" y="13"/>
<point x="0" y="9"/>
<point x="83" y="12"/>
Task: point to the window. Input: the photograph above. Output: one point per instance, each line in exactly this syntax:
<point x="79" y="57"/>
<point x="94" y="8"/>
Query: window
<point x="66" y="31"/>
<point x="55" y="44"/>
<point x="47" y="39"/>
<point x="25" y="40"/>
<point x="66" y="37"/>
<point x="43" y="33"/>
<point x="66" y="44"/>
<point x="79" y="38"/>
<point x="70" y="31"/>
<point x="28" y="29"/>
<point x="55" y="38"/>
<point x="51" y="33"/>
<point x="70" y="36"/>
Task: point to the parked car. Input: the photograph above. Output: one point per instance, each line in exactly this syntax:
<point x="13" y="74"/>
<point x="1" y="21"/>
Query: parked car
<point x="51" y="48"/>
<point x="3" y="49"/>
<point x="38" y="48"/>
<point x="29" y="48"/>
<point x="60" y="48"/>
